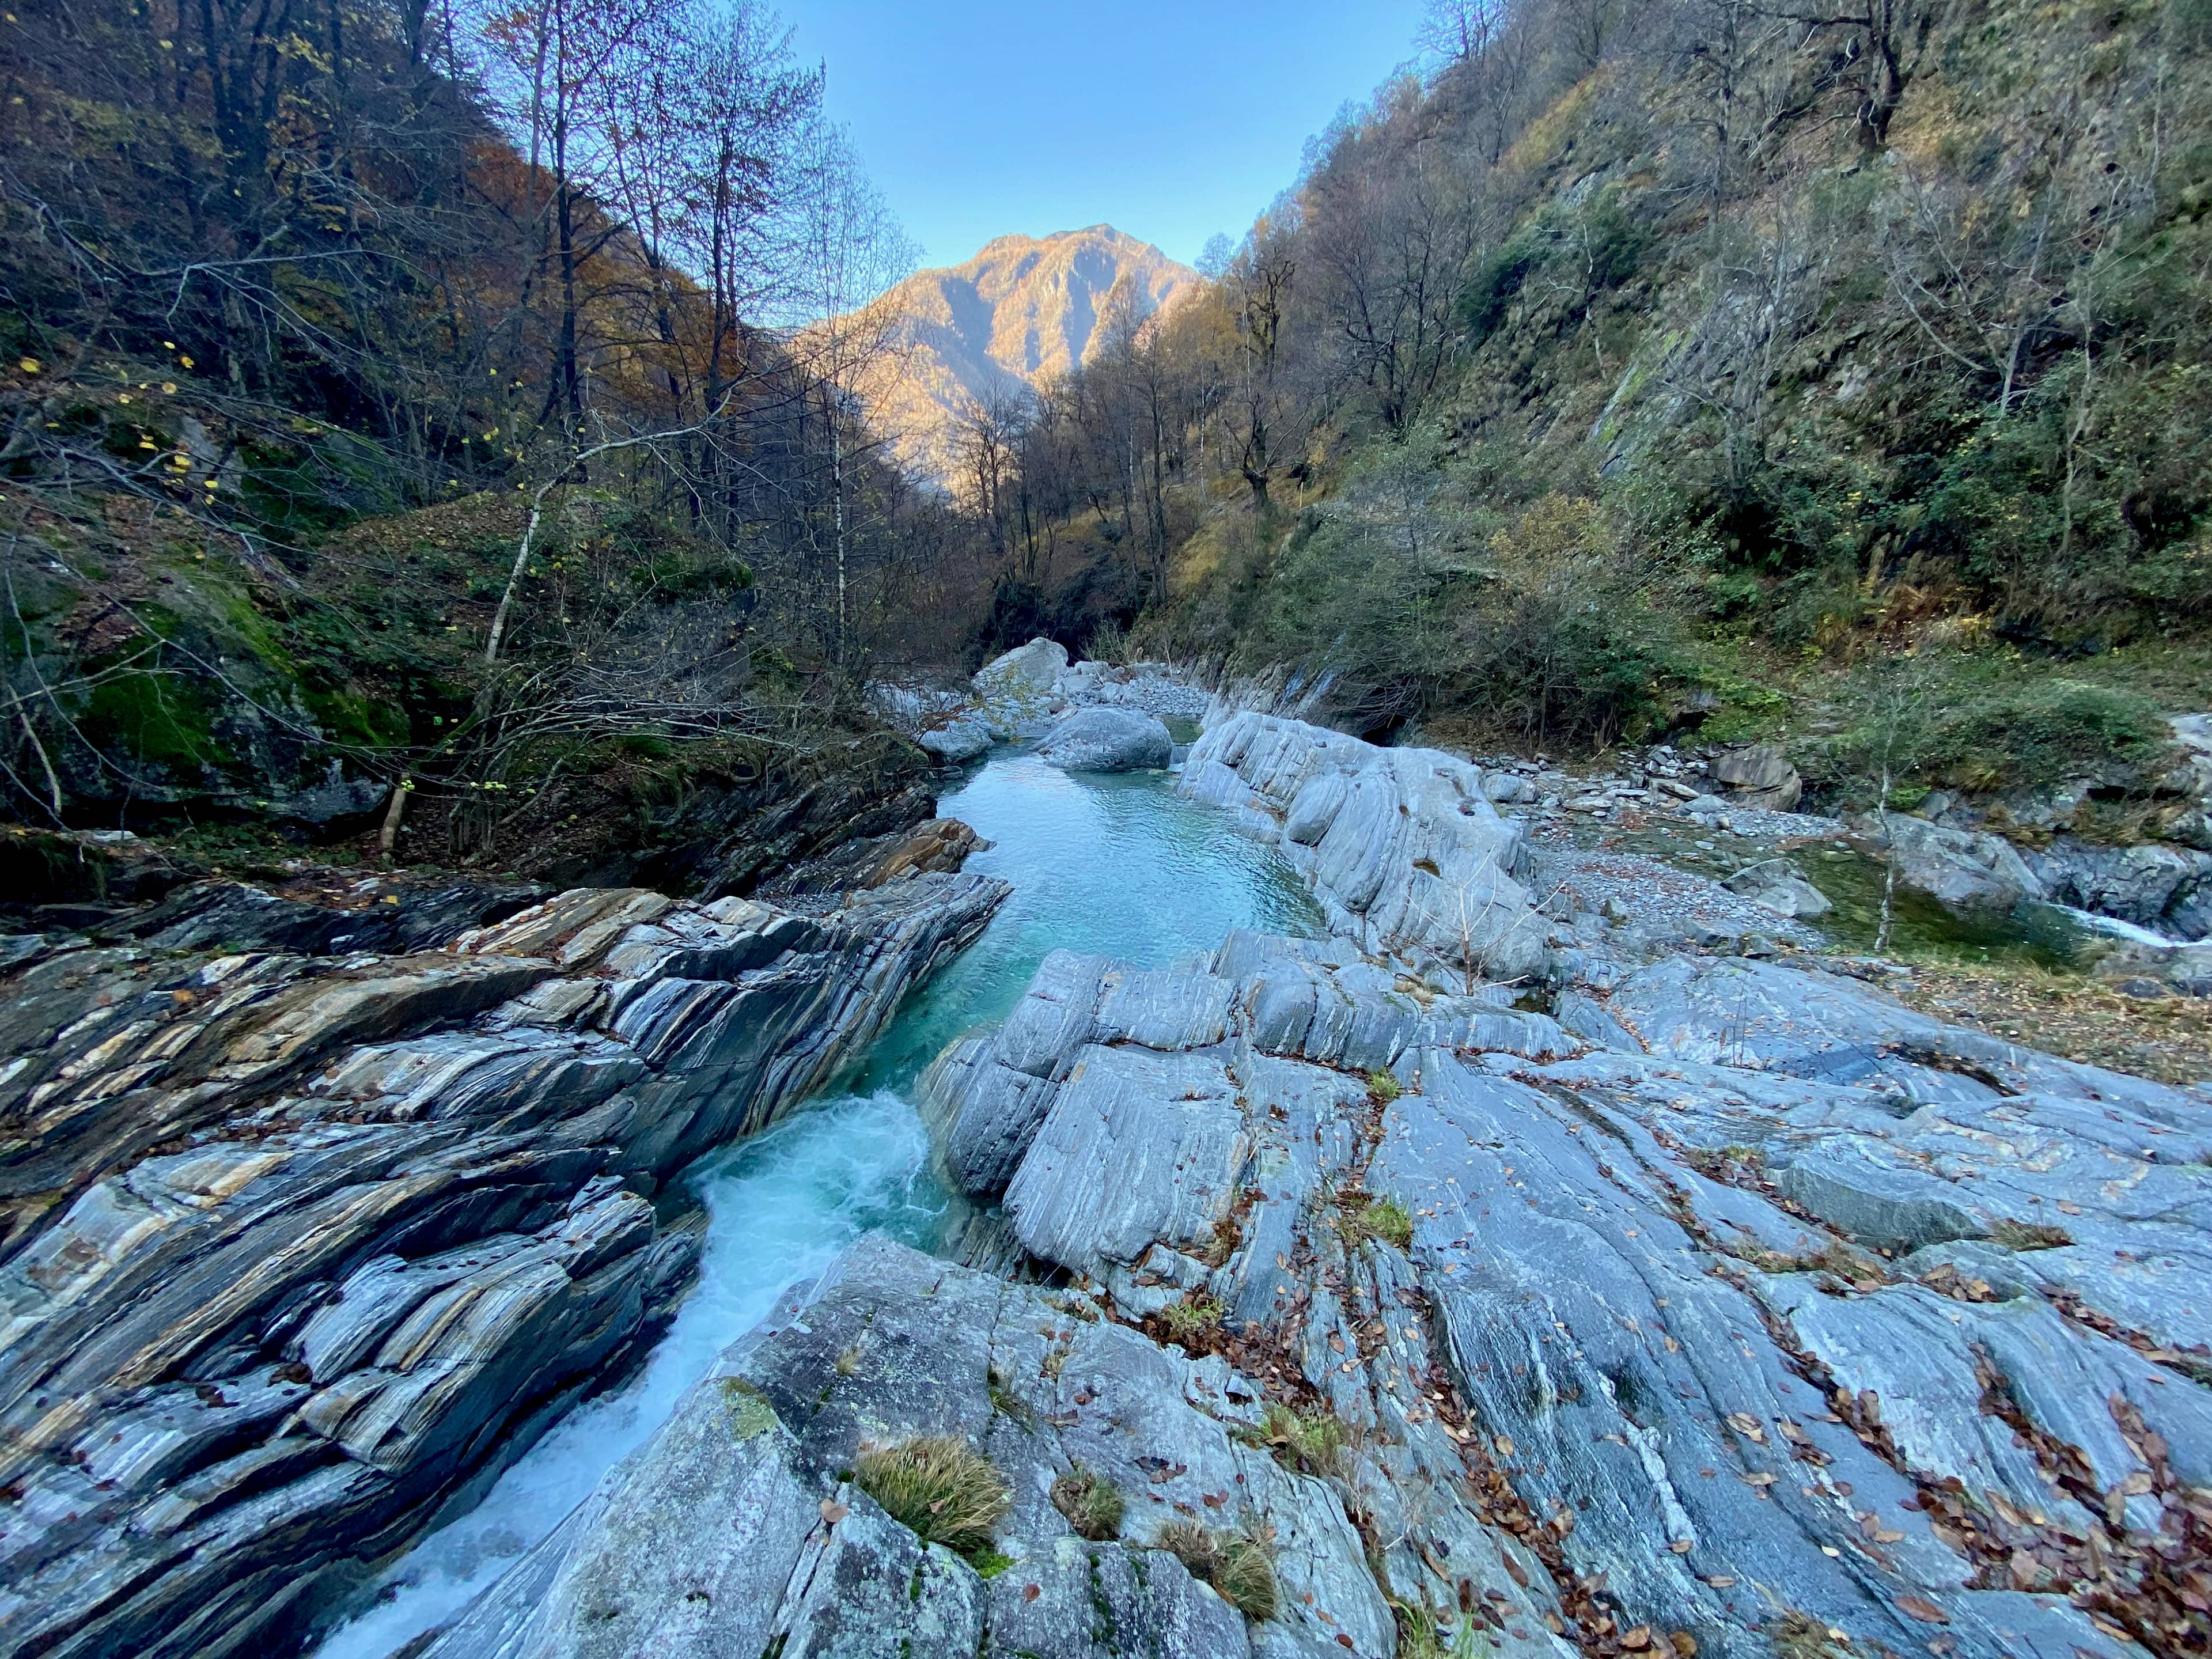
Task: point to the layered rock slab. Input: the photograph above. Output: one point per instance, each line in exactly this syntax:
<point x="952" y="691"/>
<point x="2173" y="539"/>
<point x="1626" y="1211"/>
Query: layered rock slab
<point x="738" y="1530"/>
<point x="1782" y="1309"/>
<point x="300" y="1246"/>
<point x="1403" y="848"/>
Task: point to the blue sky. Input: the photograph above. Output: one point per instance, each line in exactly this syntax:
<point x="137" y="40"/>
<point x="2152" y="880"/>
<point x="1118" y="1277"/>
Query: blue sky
<point x="1169" y="121"/>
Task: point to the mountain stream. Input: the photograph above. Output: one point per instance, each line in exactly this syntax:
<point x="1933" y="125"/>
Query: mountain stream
<point x="1117" y="865"/>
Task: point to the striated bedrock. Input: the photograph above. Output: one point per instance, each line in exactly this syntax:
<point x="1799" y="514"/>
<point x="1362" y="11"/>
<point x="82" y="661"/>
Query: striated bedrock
<point x="1403" y="847"/>
<point x="300" y="1247"/>
<point x="1775" y="1310"/>
<point x="735" y="1530"/>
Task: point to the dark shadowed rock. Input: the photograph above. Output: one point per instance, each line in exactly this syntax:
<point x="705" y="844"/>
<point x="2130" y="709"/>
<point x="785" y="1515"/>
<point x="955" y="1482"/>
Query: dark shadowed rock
<point x="1759" y="776"/>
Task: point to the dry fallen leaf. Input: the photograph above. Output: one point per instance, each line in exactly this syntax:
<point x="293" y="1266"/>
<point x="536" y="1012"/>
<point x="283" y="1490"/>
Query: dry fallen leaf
<point x="1914" y="1607"/>
<point x="833" y="1512"/>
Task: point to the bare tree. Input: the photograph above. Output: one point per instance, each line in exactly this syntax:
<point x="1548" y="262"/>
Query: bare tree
<point x="1878" y="44"/>
<point x="847" y="249"/>
<point x="1460" y="30"/>
<point x="563" y="71"/>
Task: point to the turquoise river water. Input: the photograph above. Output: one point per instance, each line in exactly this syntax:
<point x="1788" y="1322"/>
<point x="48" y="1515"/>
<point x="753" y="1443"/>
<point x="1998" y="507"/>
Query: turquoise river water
<point x="1119" y="866"/>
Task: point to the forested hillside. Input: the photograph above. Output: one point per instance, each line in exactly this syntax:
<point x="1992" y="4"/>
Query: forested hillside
<point x="471" y="401"/>
<point x="1836" y="370"/>
<point x="399" y="394"/>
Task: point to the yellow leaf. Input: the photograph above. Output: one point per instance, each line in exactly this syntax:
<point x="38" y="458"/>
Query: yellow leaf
<point x="30" y="365"/>
<point x="169" y="386"/>
<point x="122" y="397"/>
<point x="186" y="362"/>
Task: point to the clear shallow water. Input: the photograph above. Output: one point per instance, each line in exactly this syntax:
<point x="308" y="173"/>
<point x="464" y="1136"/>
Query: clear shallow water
<point x="1118" y="865"/>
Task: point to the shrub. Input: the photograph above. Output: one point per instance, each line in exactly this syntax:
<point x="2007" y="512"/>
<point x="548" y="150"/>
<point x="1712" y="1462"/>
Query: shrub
<point x="1091" y="1503"/>
<point x="940" y="1487"/>
<point x="1382" y="1088"/>
<point x="2028" y="736"/>
<point x="1238" y="1565"/>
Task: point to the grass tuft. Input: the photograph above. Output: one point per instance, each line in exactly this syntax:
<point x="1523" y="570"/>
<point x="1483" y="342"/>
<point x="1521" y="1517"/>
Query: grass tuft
<point x="2029" y="1235"/>
<point x="1382" y="1088"/>
<point x="1385" y="1219"/>
<point x="1191" y="1319"/>
<point x="940" y="1487"/>
<point x="1311" y="1442"/>
<point x="1091" y="1503"/>
<point x="1240" y="1566"/>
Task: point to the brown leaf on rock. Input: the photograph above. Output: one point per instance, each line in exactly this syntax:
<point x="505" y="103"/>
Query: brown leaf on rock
<point x="1914" y="1607"/>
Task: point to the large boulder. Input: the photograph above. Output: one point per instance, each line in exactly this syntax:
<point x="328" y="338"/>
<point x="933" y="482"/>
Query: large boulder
<point x="1026" y="670"/>
<point x="1963" y="870"/>
<point x="1108" y="740"/>
<point x="1777" y="885"/>
<point x="1760" y="776"/>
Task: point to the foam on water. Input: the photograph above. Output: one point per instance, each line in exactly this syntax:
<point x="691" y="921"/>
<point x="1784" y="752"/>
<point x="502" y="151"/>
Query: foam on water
<point x="779" y="1209"/>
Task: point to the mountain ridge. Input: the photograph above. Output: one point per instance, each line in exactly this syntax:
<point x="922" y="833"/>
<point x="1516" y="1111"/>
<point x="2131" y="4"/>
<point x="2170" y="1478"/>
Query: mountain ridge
<point x="1022" y="310"/>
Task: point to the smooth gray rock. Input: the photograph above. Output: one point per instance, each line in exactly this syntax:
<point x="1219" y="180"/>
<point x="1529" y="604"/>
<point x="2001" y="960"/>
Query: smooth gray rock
<point x="1637" y="1267"/>
<point x="2167" y="889"/>
<point x="1100" y="739"/>
<point x="957" y="741"/>
<point x="1027" y="671"/>
<point x="1403" y="848"/>
<point x="732" y="1526"/>
<point x="1781" y="887"/>
<point x="2184" y="968"/>
<point x="1963" y="870"/>
<point x="1759" y="776"/>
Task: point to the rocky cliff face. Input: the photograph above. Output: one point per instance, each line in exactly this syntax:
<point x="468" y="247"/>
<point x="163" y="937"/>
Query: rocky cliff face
<point x="1020" y="312"/>
<point x="297" y="1245"/>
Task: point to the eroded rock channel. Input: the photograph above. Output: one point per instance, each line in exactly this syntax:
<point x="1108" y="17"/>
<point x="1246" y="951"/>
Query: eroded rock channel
<point x="1427" y="1285"/>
